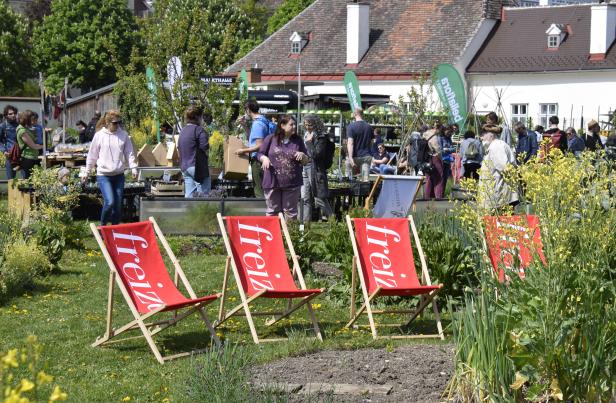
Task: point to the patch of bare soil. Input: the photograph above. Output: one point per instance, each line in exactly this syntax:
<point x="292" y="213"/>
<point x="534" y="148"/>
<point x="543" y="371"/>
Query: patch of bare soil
<point x="416" y="373"/>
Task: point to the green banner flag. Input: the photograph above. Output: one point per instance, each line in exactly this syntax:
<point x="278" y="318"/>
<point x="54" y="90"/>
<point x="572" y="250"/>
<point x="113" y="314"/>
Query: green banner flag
<point x="151" y="77"/>
<point x="450" y="88"/>
<point x="352" y="89"/>
<point x="243" y="82"/>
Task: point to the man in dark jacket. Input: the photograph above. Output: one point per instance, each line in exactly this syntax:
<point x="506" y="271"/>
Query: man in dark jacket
<point x="527" y="143"/>
<point x="8" y="136"/>
<point x="557" y="137"/>
<point x="320" y="150"/>
<point x="91" y="128"/>
<point x="592" y="138"/>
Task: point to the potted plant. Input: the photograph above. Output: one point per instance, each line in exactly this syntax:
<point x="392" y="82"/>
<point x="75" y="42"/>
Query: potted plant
<point x="215" y="159"/>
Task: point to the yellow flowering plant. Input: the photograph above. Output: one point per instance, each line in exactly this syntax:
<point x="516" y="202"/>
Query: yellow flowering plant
<point x="560" y="320"/>
<point x="22" y="378"/>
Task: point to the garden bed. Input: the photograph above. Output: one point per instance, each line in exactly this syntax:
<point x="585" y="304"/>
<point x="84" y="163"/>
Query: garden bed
<point x="416" y="373"/>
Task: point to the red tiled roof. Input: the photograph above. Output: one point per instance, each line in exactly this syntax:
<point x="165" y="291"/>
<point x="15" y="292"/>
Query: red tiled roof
<point x="406" y="37"/>
<point x="519" y="43"/>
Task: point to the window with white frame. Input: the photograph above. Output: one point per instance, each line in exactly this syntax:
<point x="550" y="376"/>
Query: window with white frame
<point x="547" y="110"/>
<point x="553" y="41"/>
<point x="296" y="47"/>
<point x="519" y="113"/>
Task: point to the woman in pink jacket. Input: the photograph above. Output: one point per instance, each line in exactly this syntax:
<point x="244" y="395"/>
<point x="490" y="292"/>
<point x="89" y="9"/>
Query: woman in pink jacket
<point x="111" y="151"/>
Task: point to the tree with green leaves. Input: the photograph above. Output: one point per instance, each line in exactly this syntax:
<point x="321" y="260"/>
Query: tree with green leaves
<point x="15" y="62"/>
<point x="84" y="40"/>
<point x="207" y="36"/>
<point x="285" y="13"/>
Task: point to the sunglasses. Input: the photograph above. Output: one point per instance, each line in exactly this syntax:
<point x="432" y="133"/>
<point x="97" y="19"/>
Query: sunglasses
<point x="117" y="122"/>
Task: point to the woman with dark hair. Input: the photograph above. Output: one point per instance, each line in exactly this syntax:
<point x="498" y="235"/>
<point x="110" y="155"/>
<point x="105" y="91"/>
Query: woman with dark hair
<point x="471" y="151"/>
<point x="282" y="156"/>
<point x="193" y="146"/>
<point x="26" y="138"/>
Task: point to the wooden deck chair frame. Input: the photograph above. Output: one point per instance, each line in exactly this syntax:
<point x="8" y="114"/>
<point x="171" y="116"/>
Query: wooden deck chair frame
<point x="149" y="329"/>
<point x="277" y="316"/>
<point x="369" y="298"/>
<point x="376" y="184"/>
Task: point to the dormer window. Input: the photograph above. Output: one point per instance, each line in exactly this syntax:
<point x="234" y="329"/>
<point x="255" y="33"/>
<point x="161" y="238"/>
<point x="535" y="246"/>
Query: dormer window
<point x="556" y="35"/>
<point x="298" y="41"/>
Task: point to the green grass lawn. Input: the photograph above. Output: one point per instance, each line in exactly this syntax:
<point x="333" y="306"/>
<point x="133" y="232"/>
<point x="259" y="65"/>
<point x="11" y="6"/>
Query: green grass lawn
<point x="66" y="311"/>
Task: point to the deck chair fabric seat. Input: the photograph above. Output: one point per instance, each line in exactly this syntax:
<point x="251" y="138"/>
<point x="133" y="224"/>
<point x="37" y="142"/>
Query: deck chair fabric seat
<point x="512" y="243"/>
<point x="384" y="262"/>
<point x="138" y="269"/>
<point x="408" y="292"/>
<point x="257" y="257"/>
<point x="290" y="293"/>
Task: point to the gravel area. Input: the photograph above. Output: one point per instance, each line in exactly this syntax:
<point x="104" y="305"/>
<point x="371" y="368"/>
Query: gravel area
<point x="417" y="373"/>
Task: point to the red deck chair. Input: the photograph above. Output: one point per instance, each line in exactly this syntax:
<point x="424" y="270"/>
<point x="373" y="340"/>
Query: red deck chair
<point x="383" y="260"/>
<point x="257" y="257"/>
<point x="512" y="242"/>
<point x="138" y="269"/>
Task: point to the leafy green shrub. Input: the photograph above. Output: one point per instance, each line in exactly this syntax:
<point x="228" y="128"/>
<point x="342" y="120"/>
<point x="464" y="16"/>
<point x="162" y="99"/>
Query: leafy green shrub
<point x="450" y="262"/>
<point x="22" y="262"/>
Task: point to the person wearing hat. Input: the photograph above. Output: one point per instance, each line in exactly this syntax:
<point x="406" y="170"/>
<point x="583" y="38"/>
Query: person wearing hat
<point x="592" y="138"/>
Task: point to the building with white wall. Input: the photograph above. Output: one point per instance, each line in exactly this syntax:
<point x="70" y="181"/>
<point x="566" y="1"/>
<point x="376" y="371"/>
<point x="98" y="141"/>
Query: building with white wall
<point x="389" y="44"/>
<point x="548" y="61"/>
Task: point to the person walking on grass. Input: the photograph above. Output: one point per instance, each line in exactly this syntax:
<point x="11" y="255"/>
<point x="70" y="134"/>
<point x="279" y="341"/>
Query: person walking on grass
<point x="193" y="146"/>
<point x="282" y="156"/>
<point x="111" y="152"/>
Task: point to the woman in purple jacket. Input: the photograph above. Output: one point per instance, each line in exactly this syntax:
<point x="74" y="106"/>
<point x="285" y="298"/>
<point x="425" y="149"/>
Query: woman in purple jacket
<point x="282" y="156"/>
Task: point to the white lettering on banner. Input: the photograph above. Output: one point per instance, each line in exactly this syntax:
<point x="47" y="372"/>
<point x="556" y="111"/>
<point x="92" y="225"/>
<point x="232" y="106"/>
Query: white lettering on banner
<point x="353" y="96"/>
<point x="257" y="268"/>
<point x="135" y="275"/>
<point x="518" y="228"/>
<point x="454" y="107"/>
<point x="379" y="261"/>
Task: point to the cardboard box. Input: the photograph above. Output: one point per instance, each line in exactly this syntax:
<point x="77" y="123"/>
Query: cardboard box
<point x="145" y="158"/>
<point x="235" y="166"/>
<point x="160" y="154"/>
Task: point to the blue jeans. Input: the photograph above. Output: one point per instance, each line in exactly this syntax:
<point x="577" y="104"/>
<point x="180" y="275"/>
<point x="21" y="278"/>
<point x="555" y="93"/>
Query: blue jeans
<point x="112" y="188"/>
<point x="385" y="169"/>
<point x="192" y="188"/>
<point x="10" y="174"/>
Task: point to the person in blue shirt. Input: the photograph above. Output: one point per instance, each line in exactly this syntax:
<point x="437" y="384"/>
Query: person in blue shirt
<point x="259" y="129"/>
<point x="527" y="146"/>
<point x="575" y="144"/>
<point x="38" y="128"/>
<point x="8" y="136"/>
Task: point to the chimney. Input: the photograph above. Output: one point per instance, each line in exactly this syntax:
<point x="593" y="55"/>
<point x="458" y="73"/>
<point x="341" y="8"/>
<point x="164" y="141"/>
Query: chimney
<point x="602" y="29"/>
<point x="358" y="31"/>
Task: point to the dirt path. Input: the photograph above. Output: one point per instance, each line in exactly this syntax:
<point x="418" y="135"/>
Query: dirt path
<point x="417" y="373"/>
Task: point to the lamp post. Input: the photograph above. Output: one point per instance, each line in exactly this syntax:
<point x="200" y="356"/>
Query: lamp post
<point x="297" y="44"/>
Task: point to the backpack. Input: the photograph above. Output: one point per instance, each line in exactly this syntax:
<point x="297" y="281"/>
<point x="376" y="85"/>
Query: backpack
<point x="324" y="150"/>
<point x="420" y="155"/>
<point x="272" y="127"/>
<point x="472" y="151"/>
<point x="15" y="155"/>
